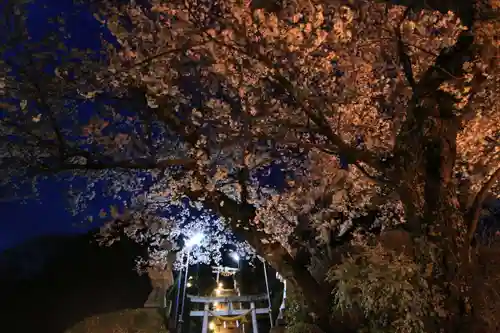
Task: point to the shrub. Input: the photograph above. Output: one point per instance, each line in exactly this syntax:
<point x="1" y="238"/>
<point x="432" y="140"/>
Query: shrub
<point x="142" y="320"/>
<point x="388" y="288"/>
<point x="303" y="328"/>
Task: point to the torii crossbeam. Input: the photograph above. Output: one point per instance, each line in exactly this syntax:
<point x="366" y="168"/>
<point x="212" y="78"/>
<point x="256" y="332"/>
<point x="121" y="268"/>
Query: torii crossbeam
<point x="228" y="310"/>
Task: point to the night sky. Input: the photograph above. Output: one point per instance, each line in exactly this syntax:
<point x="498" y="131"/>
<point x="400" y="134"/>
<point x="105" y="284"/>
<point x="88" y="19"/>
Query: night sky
<point x="49" y="215"/>
<point x="23" y="221"/>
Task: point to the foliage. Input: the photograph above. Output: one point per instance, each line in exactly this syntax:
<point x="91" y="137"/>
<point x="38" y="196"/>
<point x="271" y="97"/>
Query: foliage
<point x="389" y="288"/>
<point x="297" y="314"/>
<point x="488" y="296"/>
<point x="230" y="63"/>
<point x="303" y="328"/>
<point x="296" y="311"/>
<point x="165" y="236"/>
<point x="125" y="321"/>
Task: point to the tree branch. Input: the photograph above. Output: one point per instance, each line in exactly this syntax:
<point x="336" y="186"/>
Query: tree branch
<point x="404" y="58"/>
<point x="377" y="179"/>
<point x="339" y="146"/>
<point x="44" y="105"/>
<point x="139" y="164"/>
<point x="311" y="108"/>
<point x="474" y="211"/>
<point x="240" y="217"/>
<point x="463" y="8"/>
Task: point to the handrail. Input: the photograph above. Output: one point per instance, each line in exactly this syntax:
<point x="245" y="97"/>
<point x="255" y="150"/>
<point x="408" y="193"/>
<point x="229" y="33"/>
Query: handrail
<point x="227" y="299"/>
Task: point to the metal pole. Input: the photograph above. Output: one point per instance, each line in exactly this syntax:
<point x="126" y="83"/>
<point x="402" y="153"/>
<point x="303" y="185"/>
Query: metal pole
<point x="234" y="277"/>
<point x="181" y="316"/>
<point x="204" y="327"/>
<point x="268" y="294"/>
<point x="177" y="297"/>
<point x="235" y="285"/>
<point x="255" y="328"/>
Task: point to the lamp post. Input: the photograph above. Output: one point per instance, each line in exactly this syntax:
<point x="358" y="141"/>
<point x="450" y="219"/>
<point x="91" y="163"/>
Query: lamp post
<point x="268" y="294"/>
<point x="193" y="241"/>
<point x="267" y="289"/>
<point x="236" y="258"/>
<point x="177" y="297"/>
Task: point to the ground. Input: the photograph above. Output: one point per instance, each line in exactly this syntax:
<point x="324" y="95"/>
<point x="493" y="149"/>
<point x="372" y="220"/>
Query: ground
<point x="126" y="321"/>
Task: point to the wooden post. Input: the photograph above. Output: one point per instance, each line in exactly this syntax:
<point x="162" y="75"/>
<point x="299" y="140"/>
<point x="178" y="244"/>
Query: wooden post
<point x="255" y="328"/>
<point x="204" y="328"/>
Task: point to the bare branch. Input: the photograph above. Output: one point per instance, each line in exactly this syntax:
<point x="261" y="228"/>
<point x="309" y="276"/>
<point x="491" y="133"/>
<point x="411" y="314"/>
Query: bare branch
<point x="474" y="211"/>
<point x="377" y="179"/>
<point x="146" y="164"/>
<point x="404" y="58"/>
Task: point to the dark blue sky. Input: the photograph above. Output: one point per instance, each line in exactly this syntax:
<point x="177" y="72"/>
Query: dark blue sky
<point x="23" y="221"/>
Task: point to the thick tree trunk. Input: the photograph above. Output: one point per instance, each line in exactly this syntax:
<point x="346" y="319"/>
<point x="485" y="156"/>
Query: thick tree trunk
<point x="425" y="156"/>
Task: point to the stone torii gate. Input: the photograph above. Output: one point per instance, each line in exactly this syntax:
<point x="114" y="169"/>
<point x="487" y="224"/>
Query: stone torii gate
<point x="228" y="303"/>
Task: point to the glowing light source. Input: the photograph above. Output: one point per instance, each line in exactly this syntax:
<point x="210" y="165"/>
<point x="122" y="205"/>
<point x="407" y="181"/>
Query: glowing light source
<point x="217" y="291"/>
<point x="195" y="240"/>
<point x="221" y="285"/>
<point x="211" y="326"/>
<point x="189" y="284"/>
<point x="235" y="256"/>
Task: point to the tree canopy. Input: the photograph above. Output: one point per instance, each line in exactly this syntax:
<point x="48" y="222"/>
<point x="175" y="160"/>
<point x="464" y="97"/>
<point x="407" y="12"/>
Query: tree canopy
<point x="298" y="124"/>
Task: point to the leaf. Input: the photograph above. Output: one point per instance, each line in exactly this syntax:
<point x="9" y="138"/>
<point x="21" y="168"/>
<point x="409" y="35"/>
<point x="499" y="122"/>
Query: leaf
<point x="114" y="212"/>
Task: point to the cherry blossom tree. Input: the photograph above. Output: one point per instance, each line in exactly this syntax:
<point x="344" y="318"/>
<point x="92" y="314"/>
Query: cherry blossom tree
<point x="382" y="118"/>
<point x="59" y="126"/>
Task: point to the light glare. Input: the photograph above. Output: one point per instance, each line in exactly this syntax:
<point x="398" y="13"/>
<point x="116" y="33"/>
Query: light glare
<point x="195" y="240"/>
<point x="235" y="256"/>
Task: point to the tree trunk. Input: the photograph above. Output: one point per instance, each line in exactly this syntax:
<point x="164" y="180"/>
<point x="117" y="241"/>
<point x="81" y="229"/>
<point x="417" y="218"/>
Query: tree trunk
<point x="425" y="156"/>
